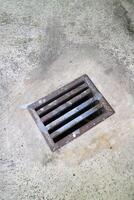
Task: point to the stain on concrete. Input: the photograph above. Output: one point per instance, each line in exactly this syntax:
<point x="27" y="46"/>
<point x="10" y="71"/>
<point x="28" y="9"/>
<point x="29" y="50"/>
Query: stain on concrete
<point x="48" y="159"/>
<point x="30" y="21"/>
<point x="109" y="71"/>
<point x="6" y="19"/>
<point x="97" y="144"/>
<point x="123" y="12"/>
<point x="53" y="43"/>
<point x="7" y="164"/>
<point x="33" y="57"/>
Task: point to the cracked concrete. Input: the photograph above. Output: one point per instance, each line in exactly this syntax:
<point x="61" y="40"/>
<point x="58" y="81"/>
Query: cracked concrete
<point x="44" y="45"/>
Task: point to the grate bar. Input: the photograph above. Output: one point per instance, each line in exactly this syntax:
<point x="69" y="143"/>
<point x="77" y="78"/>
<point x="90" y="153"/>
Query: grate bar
<point x="70" y="113"/>
<point x="58" y="93"/>
<point x="75" y="121"/>
<point x="62" y="100"/>
<point x="65" y="106"/>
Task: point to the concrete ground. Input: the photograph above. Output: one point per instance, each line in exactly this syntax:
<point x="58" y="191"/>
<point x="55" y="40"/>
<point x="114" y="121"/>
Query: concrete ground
<point x="44" y="45"/>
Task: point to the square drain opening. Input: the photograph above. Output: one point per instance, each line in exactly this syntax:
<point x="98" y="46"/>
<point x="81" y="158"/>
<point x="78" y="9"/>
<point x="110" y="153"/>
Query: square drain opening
<point x="70" y="111"/>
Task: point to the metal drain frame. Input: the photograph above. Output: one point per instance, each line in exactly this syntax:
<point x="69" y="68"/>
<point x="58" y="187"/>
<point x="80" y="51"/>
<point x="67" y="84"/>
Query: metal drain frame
<point x="102" y="101"/>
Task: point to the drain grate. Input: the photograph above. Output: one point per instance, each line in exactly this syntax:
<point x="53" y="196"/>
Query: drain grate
<point x="70" y="111"/>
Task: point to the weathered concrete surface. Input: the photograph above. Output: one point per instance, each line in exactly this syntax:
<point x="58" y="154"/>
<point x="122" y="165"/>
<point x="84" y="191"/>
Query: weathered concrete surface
<point x="45" y="44"/>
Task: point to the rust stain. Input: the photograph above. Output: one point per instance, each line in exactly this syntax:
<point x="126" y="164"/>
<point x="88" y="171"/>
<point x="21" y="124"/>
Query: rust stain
<point x="27" y="81"/>
<point x="98" y="143"/>
<point x="103" y="141"/>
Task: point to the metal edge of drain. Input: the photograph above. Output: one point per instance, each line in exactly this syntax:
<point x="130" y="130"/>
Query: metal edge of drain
<point x="54" y="146"/>
<point x="42" y="128"/>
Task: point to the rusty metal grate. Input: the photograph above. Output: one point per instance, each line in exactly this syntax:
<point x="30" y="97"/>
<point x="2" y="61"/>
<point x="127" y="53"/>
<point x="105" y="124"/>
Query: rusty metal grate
<point x="70" y="111"/>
